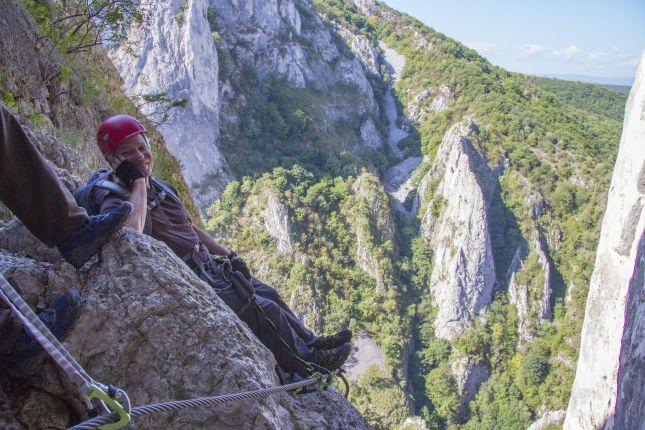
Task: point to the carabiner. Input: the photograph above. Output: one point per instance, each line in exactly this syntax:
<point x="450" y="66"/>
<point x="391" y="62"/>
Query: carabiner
<point x="113" y="406"/>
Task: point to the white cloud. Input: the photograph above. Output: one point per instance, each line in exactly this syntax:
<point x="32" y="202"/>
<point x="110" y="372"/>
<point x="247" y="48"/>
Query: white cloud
<point x="482" y="47"/>
<point x="614" y="56"/>
<point x="579" y="57"/>
<point x="568" y="53"/>
<point x="531" y="50"/>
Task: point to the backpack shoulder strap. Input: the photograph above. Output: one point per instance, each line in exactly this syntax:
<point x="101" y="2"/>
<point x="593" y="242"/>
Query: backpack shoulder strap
<point x="167" y="188"/>
<point x="113" y="188"/>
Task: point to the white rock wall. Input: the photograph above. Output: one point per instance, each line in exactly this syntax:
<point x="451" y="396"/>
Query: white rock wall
<point x="463" y="276"/>
<point x="175" y="53"/>
<point x="593" y="402"/>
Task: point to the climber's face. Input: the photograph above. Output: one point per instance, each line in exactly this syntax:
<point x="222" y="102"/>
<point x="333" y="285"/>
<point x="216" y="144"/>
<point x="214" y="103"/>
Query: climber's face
<point x="136" y="150"/>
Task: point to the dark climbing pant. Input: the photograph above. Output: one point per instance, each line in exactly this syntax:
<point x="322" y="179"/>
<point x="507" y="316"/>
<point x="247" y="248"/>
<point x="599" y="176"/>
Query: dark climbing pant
<point x="30" y="188"/>
<point x="300" y="339"/>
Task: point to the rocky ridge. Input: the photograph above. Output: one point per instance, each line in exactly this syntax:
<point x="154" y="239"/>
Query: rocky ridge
<point x="607" y="391"/>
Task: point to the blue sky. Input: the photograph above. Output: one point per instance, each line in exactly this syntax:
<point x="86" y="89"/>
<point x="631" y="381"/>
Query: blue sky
<point x="593" y="37"/>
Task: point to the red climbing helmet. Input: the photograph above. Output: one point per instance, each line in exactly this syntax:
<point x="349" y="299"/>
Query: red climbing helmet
<point x="114" y="130"/>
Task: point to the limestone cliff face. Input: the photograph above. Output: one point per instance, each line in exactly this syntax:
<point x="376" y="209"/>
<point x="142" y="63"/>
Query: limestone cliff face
<point x="607" y="392"/>
<point x="277" y="224"/>
<point x="531" y="297"/>
<point x="630" y="406"/>
<point x="453" y="196"/>
<point x="175" y="54"/>
<point x="470" y="375"/>
<point x="288" y="40"/>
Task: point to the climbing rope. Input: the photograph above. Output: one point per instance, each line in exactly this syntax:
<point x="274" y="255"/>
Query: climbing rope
<point x="43" y="336"/>
<point x="176" y="405"/>
<point x="90" y="389"/>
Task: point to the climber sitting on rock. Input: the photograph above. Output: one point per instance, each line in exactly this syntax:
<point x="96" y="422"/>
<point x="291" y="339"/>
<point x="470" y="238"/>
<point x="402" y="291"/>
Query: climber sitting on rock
<point x="159" y="212"/>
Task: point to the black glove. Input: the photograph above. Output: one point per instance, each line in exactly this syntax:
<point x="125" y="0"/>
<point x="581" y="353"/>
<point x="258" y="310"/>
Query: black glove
<point x="128" y="172"/>
<point x="239" y="265"/>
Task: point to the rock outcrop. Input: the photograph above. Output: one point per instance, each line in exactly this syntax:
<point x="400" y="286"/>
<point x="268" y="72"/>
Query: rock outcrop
<point x="363" y="48"/>
<point x="470" y="375"/>
<point x="453" y="202"/>
<point x="430" y="101"/>
<point x="175" y="54"/>
<point x="148" y="325"/>
<point x="547" y="420"/>
<point x="608" y="389"/>
<point x="532" y="298"/>
<point x="285" y="40"/>
<point x="277" y="224"/>
<point x="453" y="196"/>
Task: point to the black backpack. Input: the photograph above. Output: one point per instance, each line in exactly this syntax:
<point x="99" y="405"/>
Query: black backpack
<point x="99" y="186"/>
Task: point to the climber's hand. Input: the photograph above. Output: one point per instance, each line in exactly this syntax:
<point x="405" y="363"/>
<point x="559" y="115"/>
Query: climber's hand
<point x="128" y="172"/>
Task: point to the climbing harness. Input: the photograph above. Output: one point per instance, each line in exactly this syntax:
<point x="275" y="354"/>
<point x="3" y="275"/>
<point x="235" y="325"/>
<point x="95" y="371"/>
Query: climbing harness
<point x="117" y="415"/>
<point x="91" y="390"/>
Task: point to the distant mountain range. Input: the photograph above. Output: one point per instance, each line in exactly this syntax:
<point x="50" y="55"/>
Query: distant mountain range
<point x="629" y="81"/>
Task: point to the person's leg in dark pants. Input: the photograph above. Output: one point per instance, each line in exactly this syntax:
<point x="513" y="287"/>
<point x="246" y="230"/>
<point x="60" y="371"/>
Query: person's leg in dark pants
<point x="270" y="293"/>
<point x="268" y="336"/>
<point x="282" y="320"/>
<point x="30" y="188"/>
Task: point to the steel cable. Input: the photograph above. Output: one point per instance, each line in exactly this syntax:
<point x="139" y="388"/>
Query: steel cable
<point x="176" y="405"/>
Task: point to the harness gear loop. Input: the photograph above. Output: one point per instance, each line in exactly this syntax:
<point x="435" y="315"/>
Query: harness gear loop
<point x="112" y="405"/>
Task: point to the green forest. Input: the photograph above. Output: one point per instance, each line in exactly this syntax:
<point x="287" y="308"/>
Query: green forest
<point x="559" y="139"/>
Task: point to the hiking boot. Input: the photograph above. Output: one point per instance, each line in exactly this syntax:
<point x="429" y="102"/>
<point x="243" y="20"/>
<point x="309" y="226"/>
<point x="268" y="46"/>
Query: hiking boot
<point x="334" y="341"/>
<point x="83" y="244"/>
<point x="58" y="318"/>
<point x="332" y="359"/>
